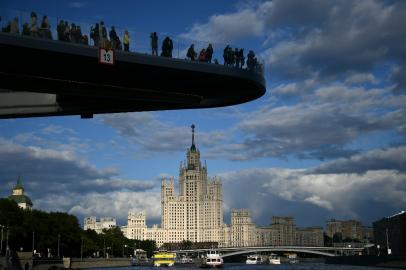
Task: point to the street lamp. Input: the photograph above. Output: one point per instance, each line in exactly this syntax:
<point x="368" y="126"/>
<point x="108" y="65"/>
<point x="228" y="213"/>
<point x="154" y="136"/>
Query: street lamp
<point x="7" y="249"/>
<point x="1" y="243"/>
<point x="81" y="248"/>
<point x="59" y="238"/>
<point x="33" y="242"/>
<point x="389" y="251"/>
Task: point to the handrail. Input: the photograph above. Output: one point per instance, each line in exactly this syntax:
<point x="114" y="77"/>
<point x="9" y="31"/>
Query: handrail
<point x="140" y="42"/>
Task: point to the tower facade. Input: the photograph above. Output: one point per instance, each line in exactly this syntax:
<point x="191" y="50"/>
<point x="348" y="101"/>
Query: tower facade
<point x="196" y="213"/>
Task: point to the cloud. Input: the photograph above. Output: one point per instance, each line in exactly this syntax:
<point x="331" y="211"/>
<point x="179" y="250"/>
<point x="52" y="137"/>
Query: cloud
<point x="57" y="129"/>
<point x="322" y="125"/>
<point x="314" y="198"/>
<point x="317" y="38"/>
<point x="152" y="135"/>
<point x="77" y="4"/>
<point x="361" y="78"/>
<point x="393" y="158"/>
<point x="61" y="181"/>
<point x="319" y="202"/>
<point x="342" y="37"/>
<point x="227" y="28"/>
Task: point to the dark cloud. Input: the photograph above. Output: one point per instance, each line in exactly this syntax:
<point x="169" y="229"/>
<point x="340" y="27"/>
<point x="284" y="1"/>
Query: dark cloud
<point x="298" y="14"/>
<point x="152" y="135"/>
<point x="304" y="194"/>
<point x="61" y="181"/>
<point x="381" y="159"/>
<point x="348" y="36"/>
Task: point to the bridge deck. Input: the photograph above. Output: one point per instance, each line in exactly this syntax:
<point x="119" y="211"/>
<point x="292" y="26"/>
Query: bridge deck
<point x="137" y="82"/>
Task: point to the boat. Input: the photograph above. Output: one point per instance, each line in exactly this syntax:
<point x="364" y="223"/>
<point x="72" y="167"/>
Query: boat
<point x="293" y="258"/>
<point x="139" y="258"/>
<point x="274" y="259"/>
<point x="184" y="260"/>
<point x="164" y="258"/>
<point x="255" y="259"/>
<point x="212" y="260"/>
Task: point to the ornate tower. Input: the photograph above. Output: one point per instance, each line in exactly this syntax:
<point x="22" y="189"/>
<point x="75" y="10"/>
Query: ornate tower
<point x="195" y="214"/>
<point x="19" y="197"/>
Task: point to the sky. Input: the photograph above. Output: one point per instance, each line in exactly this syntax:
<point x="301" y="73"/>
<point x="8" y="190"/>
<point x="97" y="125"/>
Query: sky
<point x="327" y="140"/>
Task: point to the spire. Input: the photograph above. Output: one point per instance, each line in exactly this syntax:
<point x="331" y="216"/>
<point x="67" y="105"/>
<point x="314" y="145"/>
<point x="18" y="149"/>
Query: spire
<point x="19" y="185"/>
<point x="193" y="147"/>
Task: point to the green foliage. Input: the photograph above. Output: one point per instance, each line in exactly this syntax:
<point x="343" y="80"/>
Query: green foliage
<point x="48" y="226"/>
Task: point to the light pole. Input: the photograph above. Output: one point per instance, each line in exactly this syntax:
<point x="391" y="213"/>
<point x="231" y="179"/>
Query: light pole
<point x="81" y="248"/>
<point x="33" y="242"/>
<point x="7" y="249"/>
<point x="1" y="243"/>
<point x="59" y="238"/>
<point x="104" y="248"/>
<point x="389" y="251"/>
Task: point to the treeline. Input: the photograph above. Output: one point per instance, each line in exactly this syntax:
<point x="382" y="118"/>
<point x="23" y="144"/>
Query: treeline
<point x="47" y="229"/>
<point x="185" y="244"/>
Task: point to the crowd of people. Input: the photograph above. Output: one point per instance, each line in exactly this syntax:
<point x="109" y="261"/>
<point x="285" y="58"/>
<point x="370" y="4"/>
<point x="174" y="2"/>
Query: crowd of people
<point x="205" y="55"/>
<point x="98" y="33"/>
<point x="43" y="30"/>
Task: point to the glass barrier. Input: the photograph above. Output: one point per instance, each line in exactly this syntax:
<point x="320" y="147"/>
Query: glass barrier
<point x="37" y="25"/>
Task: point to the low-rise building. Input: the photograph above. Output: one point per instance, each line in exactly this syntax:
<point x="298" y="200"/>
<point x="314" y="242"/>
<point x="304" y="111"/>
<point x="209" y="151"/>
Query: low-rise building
<point x="91" y="223"/>
<point x="344" y="229"/>
<point x="283" y="231"/>
<point x="243" y="231"/>
<point x="310" y="237"/>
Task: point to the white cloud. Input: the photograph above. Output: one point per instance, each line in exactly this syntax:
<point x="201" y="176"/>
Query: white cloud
<point x="319" y="202"/>
<point x="361" y="78"/>
<point x="227" y="28"/>
<point x="288" y="191"/>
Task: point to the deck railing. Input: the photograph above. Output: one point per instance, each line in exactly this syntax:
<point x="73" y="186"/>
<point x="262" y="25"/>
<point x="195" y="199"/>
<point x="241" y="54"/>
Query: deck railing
<point x="140" y="42"/>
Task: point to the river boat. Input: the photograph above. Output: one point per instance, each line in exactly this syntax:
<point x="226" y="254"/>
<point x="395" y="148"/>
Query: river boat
<point x="293" y="258"/>
<point x="184" y="260"/>
<point x="255" y="259"/>
<point x="164" y="258"/>
<point x="274" y="259"/>
<point x="212" y="260"/>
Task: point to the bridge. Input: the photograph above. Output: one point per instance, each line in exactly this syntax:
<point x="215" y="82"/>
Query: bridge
<point x="323" y="251"/>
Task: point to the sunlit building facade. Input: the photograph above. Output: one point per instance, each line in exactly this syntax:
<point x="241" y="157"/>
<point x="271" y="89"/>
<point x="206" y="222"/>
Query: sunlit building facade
<point x="196" y="213"/>
<point x="91" y="223"/>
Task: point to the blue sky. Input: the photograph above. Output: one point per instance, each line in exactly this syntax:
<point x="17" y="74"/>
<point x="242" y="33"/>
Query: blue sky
<point x="326" y="141"/>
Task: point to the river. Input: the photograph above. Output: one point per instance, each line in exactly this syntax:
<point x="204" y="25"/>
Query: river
<point x="240" y="266"/>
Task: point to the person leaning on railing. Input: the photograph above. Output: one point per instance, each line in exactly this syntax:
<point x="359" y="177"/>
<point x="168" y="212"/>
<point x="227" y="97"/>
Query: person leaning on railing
<point x="209" y="53"/>
<point x="33" y="25"/>
<point x="126" y="41"/>
<point x="45" y="29"/>
<point x="12" y="27"/>
<point x="191" y="54"/>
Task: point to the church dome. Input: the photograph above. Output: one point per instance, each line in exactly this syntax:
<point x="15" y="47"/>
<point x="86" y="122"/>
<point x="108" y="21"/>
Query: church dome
<point x="21" y="199"/>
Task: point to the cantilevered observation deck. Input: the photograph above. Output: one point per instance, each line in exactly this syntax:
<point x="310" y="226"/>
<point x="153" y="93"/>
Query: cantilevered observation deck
<point x="42" y="77"/>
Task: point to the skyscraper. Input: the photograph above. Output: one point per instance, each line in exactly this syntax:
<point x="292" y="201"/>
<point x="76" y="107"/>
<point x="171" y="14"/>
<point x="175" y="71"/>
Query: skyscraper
<point x="196" y="214"/>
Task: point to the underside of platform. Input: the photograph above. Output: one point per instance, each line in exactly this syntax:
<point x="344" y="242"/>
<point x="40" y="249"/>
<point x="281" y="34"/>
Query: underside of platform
<point x="44" y="77"/>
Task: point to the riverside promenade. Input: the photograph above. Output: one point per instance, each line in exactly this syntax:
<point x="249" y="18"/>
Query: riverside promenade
<point x="24" y="260"/>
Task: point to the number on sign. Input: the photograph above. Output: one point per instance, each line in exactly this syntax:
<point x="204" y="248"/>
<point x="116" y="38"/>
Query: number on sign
<point x="106" y="56"/>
